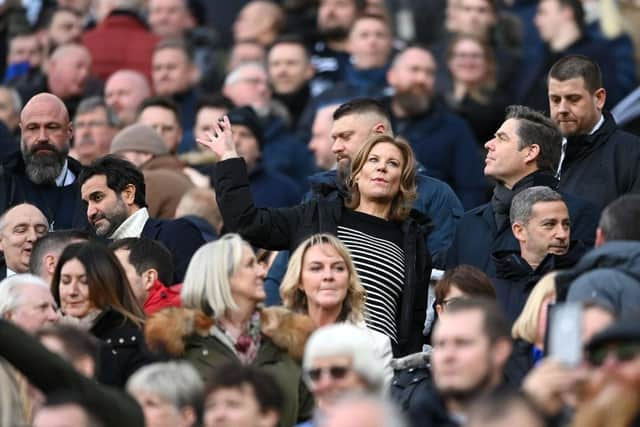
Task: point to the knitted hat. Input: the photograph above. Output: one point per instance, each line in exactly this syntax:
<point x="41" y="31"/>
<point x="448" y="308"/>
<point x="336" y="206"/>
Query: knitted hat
<point x="138" y="137"/>
<point x="245" y="116"/>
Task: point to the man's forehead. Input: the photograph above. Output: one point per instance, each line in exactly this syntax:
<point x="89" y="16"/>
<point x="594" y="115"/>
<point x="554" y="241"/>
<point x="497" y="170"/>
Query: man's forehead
<point x="45" y="106"/>
<point x="95" y="183"/>
<point x="550" y="208"/>
<point x="576" y="84"/>
<point x="459" y="323"/>
<point x="26" y="213"/>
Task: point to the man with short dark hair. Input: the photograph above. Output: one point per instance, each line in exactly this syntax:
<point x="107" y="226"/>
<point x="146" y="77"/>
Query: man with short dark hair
<point x="524" y="153"/>
<point x="471" y="346"/>
<point x="611" y="272"/>
<point x="114" y="191"/>
<point x="242" y="396"/>
<point x="163" y="115"/>
<point x="46" y="251"/>
<point x="94" y="127"/>
<point x="601" y="161"/>
<point x="149" y="268"/>
<point x="42" y="173"/>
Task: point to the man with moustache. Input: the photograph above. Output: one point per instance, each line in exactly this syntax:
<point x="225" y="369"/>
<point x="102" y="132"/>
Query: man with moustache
<point x="42" y="173"/>
<point x="94" y="127"/>
<point x="442" y="141"/>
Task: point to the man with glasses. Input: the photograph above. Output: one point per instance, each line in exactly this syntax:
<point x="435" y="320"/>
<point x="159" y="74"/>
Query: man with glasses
<point x="338" y="360"/>
<point x="94" y="127"/>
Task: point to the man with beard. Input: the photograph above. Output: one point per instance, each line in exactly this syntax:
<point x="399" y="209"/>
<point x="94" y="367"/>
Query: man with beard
<point x="471" y="345"/>
<point x="442" y="141"/>
<point x="94" y="127"/>
<point x="42" y="173"/>
<point x="114" y="192"/>
<point x="601" y="161"/>
<point x="329" y="53"/>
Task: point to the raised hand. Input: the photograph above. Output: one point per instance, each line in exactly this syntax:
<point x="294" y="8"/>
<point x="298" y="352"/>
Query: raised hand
<point x="220" y="141"/>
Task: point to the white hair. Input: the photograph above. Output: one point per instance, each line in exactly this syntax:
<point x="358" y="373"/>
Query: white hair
<point x="206" y="283"/>
<point x="235" y="74"/>
<point x="11" y="290"/>
<point x="177" y="382"/>
<point x="345" y="339"/>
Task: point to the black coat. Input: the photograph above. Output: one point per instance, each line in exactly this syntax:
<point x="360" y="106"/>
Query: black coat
<point x="515" y="278"/>
<point x="519" y="364"/>
<point x="123" y="350"/>
<point x="182" y="237"/>
<point x="62" y="206"/>
<point x="477" y="236"/>
<point x="286" y="228"/>
<point x="603" y="166"/>
<point x="52" y="375"/>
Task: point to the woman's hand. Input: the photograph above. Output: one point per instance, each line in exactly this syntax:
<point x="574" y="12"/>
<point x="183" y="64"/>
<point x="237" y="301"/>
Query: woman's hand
<point x="220" y="141"/>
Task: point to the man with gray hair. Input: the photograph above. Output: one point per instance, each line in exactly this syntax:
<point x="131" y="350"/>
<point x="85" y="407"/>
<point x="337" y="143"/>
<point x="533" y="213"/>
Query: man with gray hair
<point x="94" y="127"/>
<point x="10" y="106"/>
<point x="524" y="153"/>
<point x="540" y="223"/>
<point x="42" y="173"/>
<point x="26" y="301"/>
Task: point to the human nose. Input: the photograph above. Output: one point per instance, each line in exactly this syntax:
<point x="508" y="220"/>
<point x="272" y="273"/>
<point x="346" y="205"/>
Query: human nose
<point x="562" y="232"/>
<point x="490" y="144"/>
<point x="91" y="210"/>
<point x="52" y="314"/>
<point x="261" y="270"/>
<point x="32" y="235"/>
<point x="563" y="106"/>
<point x="337" y="147"/>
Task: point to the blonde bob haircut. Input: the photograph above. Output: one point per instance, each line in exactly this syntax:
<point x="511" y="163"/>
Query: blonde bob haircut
<point x="292" y="294"/>
<point x="403" y="201"/>
<point x="206" y="283"/>
<point x="526" y="325"/>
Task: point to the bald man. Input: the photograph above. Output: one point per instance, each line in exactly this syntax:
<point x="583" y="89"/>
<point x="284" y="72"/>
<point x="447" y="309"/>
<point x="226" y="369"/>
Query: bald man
<point x="20" y="228"/>
<point x="42" y="173"/>
<point x="124" y="92"/>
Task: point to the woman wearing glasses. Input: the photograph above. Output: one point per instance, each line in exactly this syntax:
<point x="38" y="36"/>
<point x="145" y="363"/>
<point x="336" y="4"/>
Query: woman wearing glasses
<point x="321" y="281"/>
<point x="335" y="364"/>
<point x="221" y="322"/>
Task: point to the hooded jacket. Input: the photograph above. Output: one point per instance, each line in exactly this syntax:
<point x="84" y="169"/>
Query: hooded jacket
<point x="609" y="274"/>
<point x="189" y="334"/>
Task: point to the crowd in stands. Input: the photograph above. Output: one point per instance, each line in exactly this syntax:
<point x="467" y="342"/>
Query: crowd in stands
<point x="319" y="213"/>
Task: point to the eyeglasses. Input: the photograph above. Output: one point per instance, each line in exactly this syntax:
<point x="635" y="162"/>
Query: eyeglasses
<point x="335" y="373"/>
<point x="622" y="352"/>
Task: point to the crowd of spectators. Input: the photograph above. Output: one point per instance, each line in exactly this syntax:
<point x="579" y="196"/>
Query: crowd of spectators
<point x="319" y="213"/>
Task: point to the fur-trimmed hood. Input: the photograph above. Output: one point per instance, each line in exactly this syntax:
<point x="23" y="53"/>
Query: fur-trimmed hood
<point x="167" y="330"/>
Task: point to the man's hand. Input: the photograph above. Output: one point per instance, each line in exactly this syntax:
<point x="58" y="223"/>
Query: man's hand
<point x="220" y="141"/>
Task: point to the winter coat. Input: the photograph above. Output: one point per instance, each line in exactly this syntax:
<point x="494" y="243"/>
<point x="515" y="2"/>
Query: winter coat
<point x="603" y="166"/>
<point x="515" y="279"/>
<point x="165" y="184"/>
<point x="62" y="206"/>
<point x="286" y="228"/>
<point x="477" y="236"/>
<point x="609" y="274"/>
<point x="188" y="334"/>
<point x="123" y="350"/>
<point x="161" y="296"/>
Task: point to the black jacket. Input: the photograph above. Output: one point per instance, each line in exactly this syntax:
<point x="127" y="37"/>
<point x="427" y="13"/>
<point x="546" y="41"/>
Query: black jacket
<point x="477" y="236"/>
<point x="52" y="375"/>
<point x="123" y="350"/>
<point x="181" y="236"/>
<point x="62" y="206"/>
<point x="603" y="166"/>
<point x="286" y="228"/>
<point x="515" y="278"/>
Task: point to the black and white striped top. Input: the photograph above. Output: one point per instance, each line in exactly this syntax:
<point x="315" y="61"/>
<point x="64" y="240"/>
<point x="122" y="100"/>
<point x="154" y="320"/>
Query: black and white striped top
<point x="376" y="248"/>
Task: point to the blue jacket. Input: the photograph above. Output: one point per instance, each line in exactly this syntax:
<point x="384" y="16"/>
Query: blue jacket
<point x="477" y="236"/>
<point x="180" y="236"/>
<point x="444" y="143"/>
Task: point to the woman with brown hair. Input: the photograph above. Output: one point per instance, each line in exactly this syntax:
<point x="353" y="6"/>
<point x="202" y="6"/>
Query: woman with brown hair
<point x="372" y="221"/>
<point x="94" y="294"/>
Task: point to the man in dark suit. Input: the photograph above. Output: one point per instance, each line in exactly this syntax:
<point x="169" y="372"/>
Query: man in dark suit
<point x="114" y="192"/>
<point x="525" y="152"/>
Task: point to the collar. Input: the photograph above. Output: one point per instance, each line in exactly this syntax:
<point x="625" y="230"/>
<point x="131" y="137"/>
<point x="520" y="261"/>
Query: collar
<point x="10" y="272"/>
<point x="66" y="177"/>
<point x="132" y="226"/>
<point x="598" y="125"/>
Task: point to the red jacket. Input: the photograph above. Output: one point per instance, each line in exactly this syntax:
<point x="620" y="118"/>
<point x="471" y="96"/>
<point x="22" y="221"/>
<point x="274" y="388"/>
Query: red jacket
<point x="161" y="296"/>
<point x="120" y="41"/>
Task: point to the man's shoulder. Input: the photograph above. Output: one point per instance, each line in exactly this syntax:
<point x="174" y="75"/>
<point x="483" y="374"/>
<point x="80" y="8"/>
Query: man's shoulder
<point x="156" y="227"/>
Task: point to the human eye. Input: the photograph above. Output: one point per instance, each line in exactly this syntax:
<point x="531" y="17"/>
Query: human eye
<point x="340" y="267"/>
<point x="372" y="159"/>
<point x="20" y="229"/>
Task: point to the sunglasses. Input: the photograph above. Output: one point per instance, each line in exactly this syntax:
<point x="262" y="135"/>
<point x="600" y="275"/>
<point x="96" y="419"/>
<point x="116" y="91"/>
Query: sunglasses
<point x="335" y="372"/>
<point x="622" y="352"/>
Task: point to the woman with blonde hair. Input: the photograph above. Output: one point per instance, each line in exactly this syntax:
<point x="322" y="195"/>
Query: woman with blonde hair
<point x="222" y="321"/>
<point x="530" y="328"/>
<point x="321" y="281"/>
<point x="371" y="219"/>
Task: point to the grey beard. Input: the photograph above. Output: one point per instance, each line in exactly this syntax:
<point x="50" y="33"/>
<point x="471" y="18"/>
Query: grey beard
<point x="43" y="169"/>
